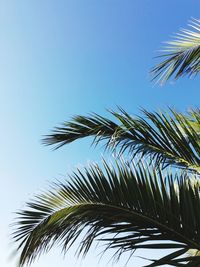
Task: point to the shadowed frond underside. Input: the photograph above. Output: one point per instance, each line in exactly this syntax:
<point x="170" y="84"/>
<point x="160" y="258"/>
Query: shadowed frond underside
<point x="128" y="207"/>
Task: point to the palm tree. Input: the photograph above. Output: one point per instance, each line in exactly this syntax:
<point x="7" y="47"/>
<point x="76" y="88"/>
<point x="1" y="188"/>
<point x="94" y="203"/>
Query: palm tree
<point x="181" y="56"/>
<point x="151" y="201"/>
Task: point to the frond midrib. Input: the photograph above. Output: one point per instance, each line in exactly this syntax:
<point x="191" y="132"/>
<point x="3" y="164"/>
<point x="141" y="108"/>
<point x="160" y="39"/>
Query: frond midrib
<point x="146" y="218"/>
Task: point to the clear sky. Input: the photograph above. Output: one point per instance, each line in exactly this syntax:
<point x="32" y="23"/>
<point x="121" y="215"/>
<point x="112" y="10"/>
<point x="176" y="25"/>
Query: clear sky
<point x="60" y="58"/>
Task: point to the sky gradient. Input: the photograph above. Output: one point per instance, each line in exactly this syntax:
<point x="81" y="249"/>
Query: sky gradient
<point x="61" y="58"/>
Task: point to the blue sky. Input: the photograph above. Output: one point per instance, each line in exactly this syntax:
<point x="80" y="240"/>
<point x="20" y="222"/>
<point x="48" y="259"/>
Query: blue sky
<point x="60" y="58"/>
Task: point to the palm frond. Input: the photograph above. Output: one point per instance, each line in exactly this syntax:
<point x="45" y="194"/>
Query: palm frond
<point x="167" y="138"/>
<point x="128" y="207"/>
<point x="181" y="56"/>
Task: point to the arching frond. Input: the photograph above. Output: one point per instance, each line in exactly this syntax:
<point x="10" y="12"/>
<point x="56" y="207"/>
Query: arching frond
<point x="167" y="138"/>
<point x="181" y="56"/>
<point x="126" y="207"/>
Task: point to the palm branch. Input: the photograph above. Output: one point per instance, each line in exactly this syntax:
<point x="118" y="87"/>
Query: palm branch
<point x="167" y="138"/>
<point x="129" y="207"/>
<point x="181" y="56"/>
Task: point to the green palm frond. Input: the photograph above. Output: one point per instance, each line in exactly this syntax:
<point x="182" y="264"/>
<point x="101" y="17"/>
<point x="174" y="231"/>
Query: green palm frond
<point x="167" y="138"/>
<point x="181" y="56"/>
<point x="128" y="207"/>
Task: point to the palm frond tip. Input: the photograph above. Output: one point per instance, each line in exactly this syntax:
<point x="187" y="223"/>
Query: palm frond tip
<point x="128" y="208"/>
<point x="181" y="56"/>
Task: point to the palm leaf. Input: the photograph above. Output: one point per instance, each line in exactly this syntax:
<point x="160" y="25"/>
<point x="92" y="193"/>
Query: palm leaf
<point x="167" y="138"/>
<point x="181" y="56"/>
<point x="128" y="207"/>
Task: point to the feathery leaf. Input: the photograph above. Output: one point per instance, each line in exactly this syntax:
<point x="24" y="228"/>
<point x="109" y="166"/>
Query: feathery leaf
<point x="128" y="207"/>
<point x="181" y="56"/>
<point x="167" y="138"/>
